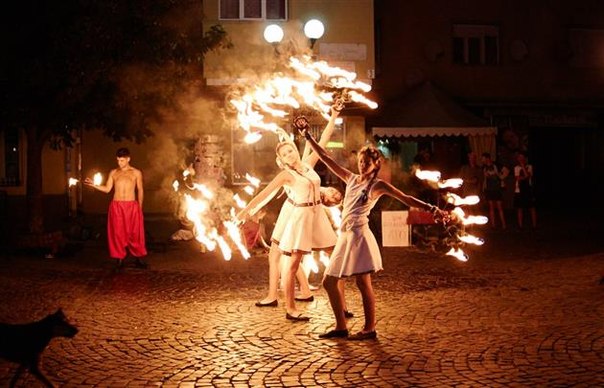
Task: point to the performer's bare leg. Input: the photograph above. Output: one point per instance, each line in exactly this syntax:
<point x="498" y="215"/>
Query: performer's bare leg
<point x="303" y="283"/>
<point x="334" y="287"/>
<point x="366" y="288"/>
<point x="289" y="283"/>
<point x="274" y="262"/>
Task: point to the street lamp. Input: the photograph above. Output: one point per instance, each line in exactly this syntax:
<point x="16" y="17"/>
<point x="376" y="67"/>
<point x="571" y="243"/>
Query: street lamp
<point x="273" y="34"/>
<point x="313" y="29"/>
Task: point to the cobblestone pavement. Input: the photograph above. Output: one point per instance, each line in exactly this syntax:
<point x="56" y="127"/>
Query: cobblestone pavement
<point x="526" y="310"/>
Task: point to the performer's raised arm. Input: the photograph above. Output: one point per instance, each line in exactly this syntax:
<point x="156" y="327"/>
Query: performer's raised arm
<point x="308" y="156"/>
<point x="322" y="154"/>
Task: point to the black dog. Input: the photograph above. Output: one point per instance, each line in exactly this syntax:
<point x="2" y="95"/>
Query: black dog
<point x="24" y="343"/>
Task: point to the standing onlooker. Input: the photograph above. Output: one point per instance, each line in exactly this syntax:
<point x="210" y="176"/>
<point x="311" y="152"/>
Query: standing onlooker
<point x="125" y="226"/>
<point x="493" y="184"/>
<point x="524" y="197"/>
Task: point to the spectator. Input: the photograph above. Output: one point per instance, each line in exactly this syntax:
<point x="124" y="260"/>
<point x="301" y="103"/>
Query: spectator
<point x="524" y="197"/>
<point x="493" y="184"/>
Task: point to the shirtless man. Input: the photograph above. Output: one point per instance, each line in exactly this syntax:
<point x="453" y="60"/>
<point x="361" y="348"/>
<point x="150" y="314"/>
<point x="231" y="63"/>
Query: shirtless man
<point x="125" y="226"/>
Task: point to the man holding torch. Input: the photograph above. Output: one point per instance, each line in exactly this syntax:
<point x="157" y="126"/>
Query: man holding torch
<point x="125" y="226"/>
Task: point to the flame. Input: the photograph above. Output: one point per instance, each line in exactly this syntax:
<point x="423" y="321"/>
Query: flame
<point x="240" y="203"/>
<point x="309" y="264"/>
<point x="456" y="200"/>
<point x="432" y="176"/>
<point x="235" y="235"/>
<point x="194" y="209"/>
<point x="453" y="183"/>
<point x="249" y="189"/>
<point x="224" y="247"/>
<point x="72" y="182"/>
<point x="324" y="258"/>
<point x="356" y="97"/>
<point x="469" y="220"/>
<point x="336" y="216"/>
<point x="267" y="102"/>
<point x="458" y="254"/>
<point x="470" y="239"/>
<point x="97" y="179"/>
<point x="204" y="190"/>
<point x="253" y="180"/>
<point x="252" y="137"/>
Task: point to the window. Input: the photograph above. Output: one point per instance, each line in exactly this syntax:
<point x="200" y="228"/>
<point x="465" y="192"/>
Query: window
<point x="475" y="44"/>
<point x="253" y="9"/>
<point x="10" y="171"/>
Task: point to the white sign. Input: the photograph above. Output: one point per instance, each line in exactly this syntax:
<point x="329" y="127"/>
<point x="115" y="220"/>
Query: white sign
<point x="395" y="231"/>
<point x="343" y="51"/>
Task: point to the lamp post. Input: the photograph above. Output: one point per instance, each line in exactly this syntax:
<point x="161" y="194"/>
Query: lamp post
<point x="313" y="29"/>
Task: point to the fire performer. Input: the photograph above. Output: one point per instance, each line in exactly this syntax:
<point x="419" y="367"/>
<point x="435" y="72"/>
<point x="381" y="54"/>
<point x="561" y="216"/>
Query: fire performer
<point x="302" y="225"/>
<point x="125" y="226"/>
<point x="356" y="252"/>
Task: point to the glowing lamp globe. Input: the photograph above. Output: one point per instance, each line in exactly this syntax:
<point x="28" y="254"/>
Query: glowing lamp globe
<point x="314" y="29"/>
<point x="273" y="34"/>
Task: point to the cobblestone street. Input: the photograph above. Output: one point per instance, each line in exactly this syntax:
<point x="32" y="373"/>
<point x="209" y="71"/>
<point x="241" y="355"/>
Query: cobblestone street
<point x="526" y="310"/>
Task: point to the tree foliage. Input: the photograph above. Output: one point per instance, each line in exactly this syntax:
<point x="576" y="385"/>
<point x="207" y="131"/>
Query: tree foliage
<point x="102" y="64"/>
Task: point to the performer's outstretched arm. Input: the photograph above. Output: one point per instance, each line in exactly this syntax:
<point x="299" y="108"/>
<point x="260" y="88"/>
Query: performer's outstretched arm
<point x="253" y="206"/>
<point x="384" y="188"/>
<point x="106" y="188"/>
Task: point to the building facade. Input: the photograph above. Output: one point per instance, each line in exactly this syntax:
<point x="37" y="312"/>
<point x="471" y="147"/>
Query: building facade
<point x="534" y="70"/>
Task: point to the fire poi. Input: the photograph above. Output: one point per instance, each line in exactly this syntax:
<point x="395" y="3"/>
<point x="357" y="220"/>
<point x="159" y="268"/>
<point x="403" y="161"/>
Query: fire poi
<point x="262" y="107"/>
<point x="456" y="235"/>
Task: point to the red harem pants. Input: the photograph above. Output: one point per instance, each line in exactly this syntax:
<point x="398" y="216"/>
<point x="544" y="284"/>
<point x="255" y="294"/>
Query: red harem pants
<point x="125" y="229"/>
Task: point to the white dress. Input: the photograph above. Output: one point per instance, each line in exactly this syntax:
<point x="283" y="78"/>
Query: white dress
<point x="303" y="225"/>
<point x="282" y="219"/>
<point x="356" y="250"/>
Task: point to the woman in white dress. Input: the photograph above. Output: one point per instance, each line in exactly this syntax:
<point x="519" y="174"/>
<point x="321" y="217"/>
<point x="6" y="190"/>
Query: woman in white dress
<point x="357" y="252"/>
<point x="302" y="225"/>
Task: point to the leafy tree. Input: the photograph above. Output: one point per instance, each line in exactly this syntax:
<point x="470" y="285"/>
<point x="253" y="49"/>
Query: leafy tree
<point x="111" y="64"/>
